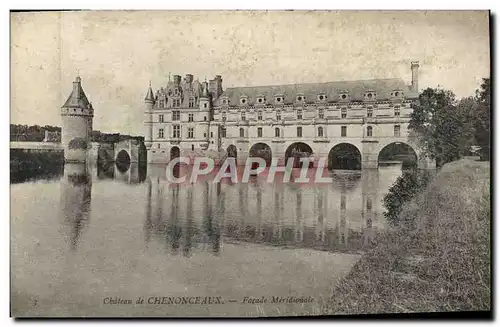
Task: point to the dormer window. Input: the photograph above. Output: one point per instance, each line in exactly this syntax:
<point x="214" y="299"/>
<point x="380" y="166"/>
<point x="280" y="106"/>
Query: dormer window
<point x="261" y="100"/>
<point x="321" y="97"/>
<point x="344" y="96"/>
<point x="370" y="95"/>
<point x="279" y="99"/>
<point x="225" y="101"/>
<point x="191" y="103"/>
<point x="301" y="98"/>
<point x="244" y="100"/>
<point x="397" y="94"/>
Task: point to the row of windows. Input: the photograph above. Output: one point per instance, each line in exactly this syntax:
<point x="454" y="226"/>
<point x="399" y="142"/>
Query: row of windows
<point x="176" y="115"/>
<point x="369" y="95"/>
<point x="321" y="114"/>
<point x="277" y="132"/>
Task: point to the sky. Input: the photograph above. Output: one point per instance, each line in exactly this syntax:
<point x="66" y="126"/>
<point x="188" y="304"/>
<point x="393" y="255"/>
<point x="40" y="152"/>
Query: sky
<point x="117" y="54"/>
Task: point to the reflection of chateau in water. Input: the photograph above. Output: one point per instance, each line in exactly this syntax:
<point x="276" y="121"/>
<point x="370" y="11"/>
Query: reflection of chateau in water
<point x="338" y="216"/>
<point x="76" y="195"/>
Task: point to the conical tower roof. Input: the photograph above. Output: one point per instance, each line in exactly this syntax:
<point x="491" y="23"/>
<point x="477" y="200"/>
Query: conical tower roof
<point x="77" y="98"/>
<point x="149" y="95"/>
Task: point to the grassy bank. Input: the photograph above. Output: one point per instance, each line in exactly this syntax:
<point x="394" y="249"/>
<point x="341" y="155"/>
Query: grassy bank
<point x="442" y="263"/>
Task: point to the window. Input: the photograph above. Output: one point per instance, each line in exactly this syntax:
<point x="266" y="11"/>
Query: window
<point x="224" y="117"/>
<point x="161" y="104"/>
<point x="190" y="133"/>
<point x="277" y="132"/>
<point x="158" y="145"/>
<point x="177" y="131"/>
<point x="343" y="131"/>
<point x="342" y="201"/>
<point x="343" y="112"/>
<point x="205" y="105"/>
<point x="259" y="132"/>
<point x="300" y="98"/>
<point x="279" y="99"/>
<point x="259" y="115"/>
<point x="191" y="103"/>
<point x="278" y="115"/>
<point x="160" y="118"/>
<point x="176" y="115"/>
<point x="299" y="131"/>
<point x="161" y="133"/>
<point x="190" y="117"/>
<point x="260" y="100"/>
<point x="223" y="132"/>
<point x="176" y="103"/>
<point x="368" y="204"/>
<point x="320" y="131"/>
<point x="321" y="97"/>
<point x="211" y="134"/>
<point x="396" y="111"/>
<point x="369" y="113"/>
<point x="299" y="114"/>
<point x="369" y="131"/>
<point x="243" y="101"/>
<point x="321" y="114"/>
<point x="242" y="132"/>
<point x="397" y="130"/>
<point x="192" y="147"/>
<point x="205" y="118"/>
<point x="243" y="116"/>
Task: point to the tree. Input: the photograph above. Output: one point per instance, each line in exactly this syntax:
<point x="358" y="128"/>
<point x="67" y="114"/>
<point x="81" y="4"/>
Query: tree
<point x="482" y="118"/>
<point x="444" y="127"/>
<point x="403" y="190"/>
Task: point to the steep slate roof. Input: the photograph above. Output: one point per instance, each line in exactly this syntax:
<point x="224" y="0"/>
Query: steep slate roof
<point x="149" y="95"/>
<point x="356" y="89"/>
<point x="77" y="98"/>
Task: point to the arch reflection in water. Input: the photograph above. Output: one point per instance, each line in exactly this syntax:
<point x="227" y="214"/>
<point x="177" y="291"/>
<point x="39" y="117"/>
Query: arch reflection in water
<point x="76" y="195"/>
<point x="184" y="219"/>
<point x="341" y="216"/>
<point x="136" y="173"/>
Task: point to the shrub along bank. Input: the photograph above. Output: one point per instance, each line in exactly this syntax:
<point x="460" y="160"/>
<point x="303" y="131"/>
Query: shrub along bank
<point x="436" y="259"/>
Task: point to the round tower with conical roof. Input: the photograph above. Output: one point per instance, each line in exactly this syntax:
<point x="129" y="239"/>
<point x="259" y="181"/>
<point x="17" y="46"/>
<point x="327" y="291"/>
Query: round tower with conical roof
<point x="77" y="115"/>
<point x="149" y="100"/>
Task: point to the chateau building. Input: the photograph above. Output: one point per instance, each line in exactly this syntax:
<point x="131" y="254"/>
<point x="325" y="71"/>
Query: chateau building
<point x="349" y="122"/>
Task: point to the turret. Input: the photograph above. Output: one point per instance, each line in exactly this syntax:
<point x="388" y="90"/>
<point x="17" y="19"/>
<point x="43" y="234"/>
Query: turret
<point x="149" y="100"/>
<point x="76" y="116"/>
<point x="414" y="76"/>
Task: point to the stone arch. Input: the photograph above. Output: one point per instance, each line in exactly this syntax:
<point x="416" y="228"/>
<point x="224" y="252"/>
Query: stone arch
<point x="398" y="152"/>
<point x="232" y="152"/>
<point x="298" y="150"/>
<point x="175" y="152"/>
<point x="344" y="156"/>
<point x="261" y="150"/>
<point x="122" y="161"/>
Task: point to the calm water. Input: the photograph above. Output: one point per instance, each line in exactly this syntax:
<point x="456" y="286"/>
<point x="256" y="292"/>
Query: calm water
<point x="91" y="235"/>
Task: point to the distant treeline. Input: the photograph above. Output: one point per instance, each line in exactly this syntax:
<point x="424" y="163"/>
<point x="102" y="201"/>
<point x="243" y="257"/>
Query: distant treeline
<point x="36" y="133"/>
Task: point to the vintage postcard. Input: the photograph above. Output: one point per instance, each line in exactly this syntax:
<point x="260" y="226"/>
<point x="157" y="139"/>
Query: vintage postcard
<point x="249" y="163"/>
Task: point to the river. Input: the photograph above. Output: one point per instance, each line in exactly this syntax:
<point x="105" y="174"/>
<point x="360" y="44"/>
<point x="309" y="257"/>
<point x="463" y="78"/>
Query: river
<point x="93" y="242"/>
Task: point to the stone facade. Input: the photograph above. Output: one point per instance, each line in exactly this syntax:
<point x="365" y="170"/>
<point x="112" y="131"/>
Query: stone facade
<point x="76" y="115"/>
<point x="190" y="118"/>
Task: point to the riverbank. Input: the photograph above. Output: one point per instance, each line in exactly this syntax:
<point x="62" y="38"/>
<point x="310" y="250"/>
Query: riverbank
<point x="440" y="264"/>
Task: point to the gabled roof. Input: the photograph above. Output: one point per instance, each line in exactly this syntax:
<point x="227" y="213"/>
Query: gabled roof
<point x="77" y="98"/>
<point x="333" y="90"/>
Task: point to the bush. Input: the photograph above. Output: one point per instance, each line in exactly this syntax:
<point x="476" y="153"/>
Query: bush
<point x="407" y="185"/>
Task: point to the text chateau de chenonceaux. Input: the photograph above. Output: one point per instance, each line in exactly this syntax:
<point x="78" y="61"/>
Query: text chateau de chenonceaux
<point x="349" y="122"/>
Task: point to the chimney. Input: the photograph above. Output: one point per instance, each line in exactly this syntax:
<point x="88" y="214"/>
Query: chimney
<point x="189" y="78"/>
<point x="177" y="79"/>
<point x="76" y="87"/>
<point x="414" y="76"/>
<point x="216" y="86"/>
